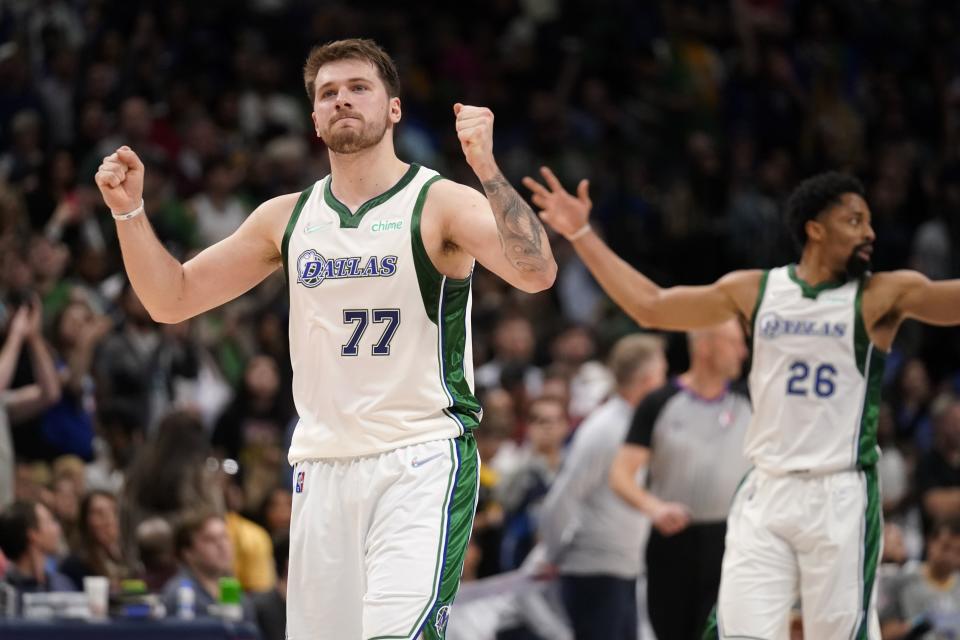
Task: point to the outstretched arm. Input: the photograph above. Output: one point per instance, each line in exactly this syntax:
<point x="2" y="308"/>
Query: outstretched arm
<point x="675" y="308"/>
<point x="173" y="292"/>
<point x="521" y="254"/>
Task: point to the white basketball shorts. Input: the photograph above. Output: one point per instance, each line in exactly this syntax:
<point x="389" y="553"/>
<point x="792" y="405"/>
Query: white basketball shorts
<point x="813" y="538"/>
<point x="377" y="543"/>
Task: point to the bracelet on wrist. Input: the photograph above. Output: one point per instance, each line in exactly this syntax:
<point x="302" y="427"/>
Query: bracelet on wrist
<point x="129" y="214"/>
<point x="579" y="233"/>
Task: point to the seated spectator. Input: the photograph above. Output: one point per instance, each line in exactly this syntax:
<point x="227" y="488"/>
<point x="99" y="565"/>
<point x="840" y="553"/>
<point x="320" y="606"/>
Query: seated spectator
<point x="206" y="555"/>
<point x="925" y="593"/>
<point x="521" y="493"/>
<point x="99" y="552"/>
<point x="28" y="535"/>
<point x="155" y="549"/>
<point x="271" y="606"/>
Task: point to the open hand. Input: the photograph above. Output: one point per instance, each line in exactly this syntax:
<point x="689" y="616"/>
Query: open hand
<point x="564" y="213"/>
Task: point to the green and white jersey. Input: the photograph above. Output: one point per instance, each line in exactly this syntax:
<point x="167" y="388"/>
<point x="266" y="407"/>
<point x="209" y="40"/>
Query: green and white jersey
<point x="379" y="340"/>
<point x="815" y="378"/>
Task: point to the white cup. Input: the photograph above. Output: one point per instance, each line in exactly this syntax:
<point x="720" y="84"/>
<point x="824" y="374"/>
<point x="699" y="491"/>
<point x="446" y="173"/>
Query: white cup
<point x="97" y="589"/>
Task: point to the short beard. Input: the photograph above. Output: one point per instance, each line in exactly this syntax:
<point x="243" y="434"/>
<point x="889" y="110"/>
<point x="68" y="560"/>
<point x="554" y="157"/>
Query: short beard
<point x="857" y="267"/>
<point x="351" y="141"/>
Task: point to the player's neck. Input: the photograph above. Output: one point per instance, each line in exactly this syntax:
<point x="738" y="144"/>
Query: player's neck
<point x="358" y="177"/>
<point x="812" y="269"/>
<point x="704" y="382"/>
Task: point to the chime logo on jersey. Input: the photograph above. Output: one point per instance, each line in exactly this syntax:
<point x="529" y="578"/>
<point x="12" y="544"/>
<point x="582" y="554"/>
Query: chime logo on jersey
<point x="773" y="326"/>
<point x="299" y="488"/>
<point x="313" y="268"/>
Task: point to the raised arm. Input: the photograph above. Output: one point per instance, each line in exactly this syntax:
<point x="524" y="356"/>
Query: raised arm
<point x="173" y="292"/>
<point x="502" y="232"/>
<point x="675" y="308"/>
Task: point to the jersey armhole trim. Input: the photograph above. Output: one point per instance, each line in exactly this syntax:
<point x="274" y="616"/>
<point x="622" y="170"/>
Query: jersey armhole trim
<point x="291" y="225"/>
<point x="429" y="278"/>
<point x="756" y="306"/>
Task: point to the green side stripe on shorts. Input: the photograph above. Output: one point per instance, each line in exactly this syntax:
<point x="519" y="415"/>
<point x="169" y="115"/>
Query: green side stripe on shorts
<point x="456" y="525"/>
<point x="873" y="533"/>
<point x="459" y="527"/>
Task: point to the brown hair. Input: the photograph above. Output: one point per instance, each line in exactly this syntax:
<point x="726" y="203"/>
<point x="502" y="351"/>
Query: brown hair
<point x="352" y="49"/>
<point x="188" y="525"/>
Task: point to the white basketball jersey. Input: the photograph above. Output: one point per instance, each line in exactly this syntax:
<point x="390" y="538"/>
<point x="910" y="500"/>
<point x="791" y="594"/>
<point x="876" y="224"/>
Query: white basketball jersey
<point x="379" y="340"/>
<point x="815" y="378"/>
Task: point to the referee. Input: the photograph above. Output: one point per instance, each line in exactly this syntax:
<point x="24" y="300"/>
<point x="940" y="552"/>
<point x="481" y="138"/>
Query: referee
<point x="690" y="434"/>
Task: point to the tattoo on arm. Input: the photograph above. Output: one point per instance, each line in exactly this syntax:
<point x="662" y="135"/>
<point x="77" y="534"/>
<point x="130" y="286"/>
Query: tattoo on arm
<point x="521" y="233"/>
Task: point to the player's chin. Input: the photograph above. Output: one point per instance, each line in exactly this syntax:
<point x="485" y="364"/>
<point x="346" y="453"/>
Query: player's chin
<point x="857" y="266"/>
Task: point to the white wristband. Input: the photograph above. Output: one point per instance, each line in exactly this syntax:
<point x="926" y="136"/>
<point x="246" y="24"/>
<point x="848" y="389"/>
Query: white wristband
<point x="129" y="214"/>
<point x="579" y="233"/>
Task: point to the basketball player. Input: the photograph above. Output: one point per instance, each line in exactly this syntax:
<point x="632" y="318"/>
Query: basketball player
<point x="378" y="257"/>
<point x="806" y="520"/>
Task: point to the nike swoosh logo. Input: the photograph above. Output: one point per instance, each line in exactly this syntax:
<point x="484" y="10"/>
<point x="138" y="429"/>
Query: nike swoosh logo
<point x="416" y="462"/>
<point x="310" y="228"/>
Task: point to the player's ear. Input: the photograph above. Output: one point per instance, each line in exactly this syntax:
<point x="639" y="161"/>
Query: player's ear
<point x="395" y="111"/>
<point x="316" y="122"/>
<point x="815" y="230"/>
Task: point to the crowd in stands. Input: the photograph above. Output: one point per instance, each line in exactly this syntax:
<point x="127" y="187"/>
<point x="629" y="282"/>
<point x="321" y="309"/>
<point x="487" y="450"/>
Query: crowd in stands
<point x="134" y="450"/>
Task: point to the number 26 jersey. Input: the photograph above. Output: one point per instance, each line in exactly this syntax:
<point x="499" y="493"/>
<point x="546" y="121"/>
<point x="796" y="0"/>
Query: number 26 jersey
<point x="814" y="378"/>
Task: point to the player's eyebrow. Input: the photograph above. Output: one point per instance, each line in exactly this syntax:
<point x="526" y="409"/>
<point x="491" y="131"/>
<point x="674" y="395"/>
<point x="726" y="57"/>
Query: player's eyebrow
<point x="347" y="81"/>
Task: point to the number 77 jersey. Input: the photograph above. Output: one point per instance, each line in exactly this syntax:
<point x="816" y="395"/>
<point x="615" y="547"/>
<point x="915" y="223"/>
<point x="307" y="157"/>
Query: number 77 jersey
<point x="380" y="341"/>
<point x="814" y="378"/>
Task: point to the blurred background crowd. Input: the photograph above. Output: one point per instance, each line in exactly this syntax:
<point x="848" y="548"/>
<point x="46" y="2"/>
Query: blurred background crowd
<point x="130" y="449"/>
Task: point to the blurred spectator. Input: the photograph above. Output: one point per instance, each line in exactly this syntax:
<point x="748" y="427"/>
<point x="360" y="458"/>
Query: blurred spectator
<point x="588" y="532"/>
<point x="271" y="606"/>
<point x="29" y="535"/>
<point x="25" y="401"/>
<point x="158" y="558"/>
<point x="573" y="352"/>
<point x="172" y="475"/>
<point x="689" y="436"/>
<point x="252" y="551"/>
<point x="69" y="484"/>
<point x="521" y="493"/>
<point x="68" y="425"/>
<point x="938" y="472"/>
<point x="928" y="591"/>
<point x="205" y="554"/>
<point x="275" y="511"/>
<point x="911" y="404"/>
<point x="217" y="211"/>
<point x="99" y="552"/>
<point x="251" y="428"/>
<point x="513" y="344"/>
<point x="137" y="361"/>
<point x="494" y="431"/>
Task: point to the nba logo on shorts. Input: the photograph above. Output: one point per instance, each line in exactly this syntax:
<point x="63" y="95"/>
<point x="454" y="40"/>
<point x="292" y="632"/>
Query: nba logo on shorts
<point x="443" y="614"/>
<point x="299" y="488"/>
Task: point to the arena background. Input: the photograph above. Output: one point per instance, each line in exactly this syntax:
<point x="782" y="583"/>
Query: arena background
<point x="692" y="119"/>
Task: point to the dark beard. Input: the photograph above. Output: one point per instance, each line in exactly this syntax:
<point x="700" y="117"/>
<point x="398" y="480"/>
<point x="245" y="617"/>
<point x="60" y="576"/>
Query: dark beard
<point x="350" y="141"/>
<point x="857" y="267"/>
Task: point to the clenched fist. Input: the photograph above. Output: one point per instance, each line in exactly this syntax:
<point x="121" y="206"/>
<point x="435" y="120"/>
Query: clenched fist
<point x="475" y="131"/>
<point x="120" y="178"/>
